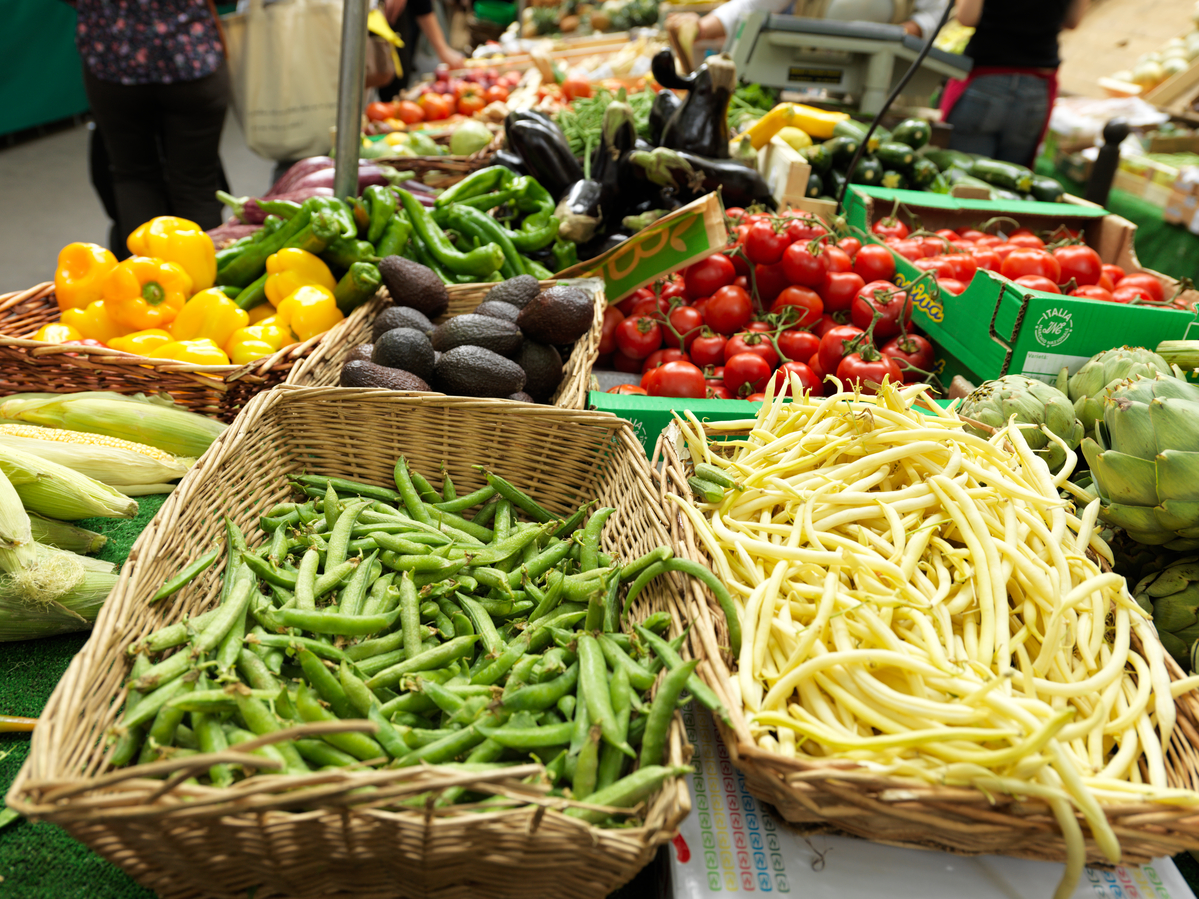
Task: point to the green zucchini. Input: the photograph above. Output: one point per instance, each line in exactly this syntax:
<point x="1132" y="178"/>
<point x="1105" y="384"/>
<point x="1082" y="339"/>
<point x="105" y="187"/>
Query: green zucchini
<point x="841" y="150"/>
<point x="819" y="157"/>
<point x="999" y="193"/>
<point x="923" y="173"/>
<point x="815" y="185"/>
<point x="1004" y="175"/>
<point x="895" y="180"/>
<point x="913" y="132"/>
<point x="895" y="155"/>
<point x="946" y="159"/>
<point x="1047" y="189"/>
<point x="938" y="185"/>
<point x="834" y="182"/>
<point x="857" y="130"/>
<point x="954" y="177"/>
<point x="868" y="171"/>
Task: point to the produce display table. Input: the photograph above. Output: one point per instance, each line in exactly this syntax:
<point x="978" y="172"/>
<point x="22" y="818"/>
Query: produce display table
<point x="1169" y="249"/>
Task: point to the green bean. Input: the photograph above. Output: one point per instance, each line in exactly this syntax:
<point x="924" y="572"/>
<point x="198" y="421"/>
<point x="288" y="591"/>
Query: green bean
<point x="543" y="695"/>
<point x="628" y="791"/>
<point x="639" y="676"/>
<point x="326" y="684"/>
<point x="407" y="492"/>
<point x="462" y="503"/>
<point x="442" y="655"/>
<point x="519" y="499"/>
<point x="661" y="712"/>
<point x="530" y="737"/>
<point x="670" y="657"/>
<point x="185" y="577"/>
<point x="316" y="647"/>
<point x="323" y="754"/>
<point x="593" y="673"/>
<point x="260" y="720"/>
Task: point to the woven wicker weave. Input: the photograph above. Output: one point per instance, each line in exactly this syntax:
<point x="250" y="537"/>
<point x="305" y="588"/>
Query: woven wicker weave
<point x="323" y="367"/>
<point x="442" y="171"/>
<point x="187" y="842"/>
<point x="33" y="366"/>
<point x="841" y="796"/>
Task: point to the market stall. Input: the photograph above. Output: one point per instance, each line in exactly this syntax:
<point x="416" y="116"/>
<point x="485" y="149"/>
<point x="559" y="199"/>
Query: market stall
<point x="329" y="567"/>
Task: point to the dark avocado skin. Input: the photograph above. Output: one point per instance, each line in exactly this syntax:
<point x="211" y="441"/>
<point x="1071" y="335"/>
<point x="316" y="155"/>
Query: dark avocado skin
<point x="518" y="291"/>
<point x="400" y="317"/>
<point x="415" y="285"/>
<point x="406" y="349"/>
<point x="475" y="371"/>
<point x="559" y="315"/>
<point x="360" y="373"/>
<point x="498" y="309"/>
<point x="494" y="334"/>
<point x="543" y="369"/>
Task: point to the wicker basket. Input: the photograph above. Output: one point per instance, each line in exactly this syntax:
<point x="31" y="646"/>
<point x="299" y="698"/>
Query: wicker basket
<point x="187" y="842"/>
<point x="842" y="797"/>
<point x="442" y="171"/>
<point x="33" y="366"/>
<point x="323" y="367"/>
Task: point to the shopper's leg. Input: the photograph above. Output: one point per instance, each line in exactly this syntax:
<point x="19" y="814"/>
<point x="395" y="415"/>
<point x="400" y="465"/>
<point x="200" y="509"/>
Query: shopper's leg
<point x="127" y="124"/>
<point x="1028" y="111"/>
<point x="979" y="116"/>
<point x="193" y="114"/>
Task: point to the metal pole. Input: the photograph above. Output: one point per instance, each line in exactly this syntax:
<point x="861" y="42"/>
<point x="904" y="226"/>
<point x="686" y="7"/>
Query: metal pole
<point x="350" y="82"/>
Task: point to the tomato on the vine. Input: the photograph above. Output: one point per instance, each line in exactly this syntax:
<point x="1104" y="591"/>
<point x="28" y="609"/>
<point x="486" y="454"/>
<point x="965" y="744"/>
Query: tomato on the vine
<point x="797" y="344"/>
<point x="807" y="301"/>
<point x="1078" y="263"/>
<point x="758" y="397"/>
<point x="1038" y="282"/>
<point x="804" y="267"/>
<point x="626" y="305"/>
<point x="912" y="353"/>
<point x="850" y="245"/>
<point x="673" y="290"/>
<point x="651" y="306"/>
<point x="1023" y="261"/>
<point x="638" y="336"/>
<point x="1115" y="272"/>
<point x="770" y="280"/>
<point x="1093" y="292"/>
<point x="839" y="289"/>
<point x="759" y="325"/>
<point x="612" y="318"/>
<point x="708" y="348"/>
<point x="987" y="258"/>
<point x="626" y="364"/>
<point x="680" y="379"/>
<point x="736" y="213"/>
<point x="891" y="227"/>
<point x="1147" y="282"/>
<point x="631" y="389"/>
<point x="838" y="259"/>
<point x="911" y="250"/>
<point x="963" y="265"/>
<point x="746" y="373"/>
<point x="951" y="285"/>
<point x="658" y="358"/>
<point x="687" y="321"/>
<point x="1025" y="238"/>
<point x="874" y="263"/>
<point x="717" y="392"/>
<point x="832" y="345"/>
<point x="827" y="322"/>
<point x="890" y="303"/>
<point x="714" y="374"/>
<point x="940" y="266"/>
<point x="751" y="342"/>
<point x="1131" y="293"/>
<point x="867" y="367"/>
<point x="764" y="245"/>
<point x="803" y="226"/>
<point x="808" y="380"/>
<point x="704" y="278"/>
<point x="971" y="234"/>
<point x="729" y="310"/>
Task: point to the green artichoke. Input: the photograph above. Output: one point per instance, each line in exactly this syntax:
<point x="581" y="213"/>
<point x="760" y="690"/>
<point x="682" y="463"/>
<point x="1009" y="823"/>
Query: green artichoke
<point x="1089" y="385"/>
<point x="1144" y="461"/>
<point x="1032" y="402"/>
<point x="1173" y="596"/>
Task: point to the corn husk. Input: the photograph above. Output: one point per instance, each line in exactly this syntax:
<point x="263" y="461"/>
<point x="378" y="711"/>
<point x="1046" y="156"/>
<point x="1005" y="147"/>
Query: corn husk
<point x="1182" y="353"/>
<point x="74" y="610"/>
<point x="151" y="421"/>
<point x="62" y="535"/>
<point x="59" y="492"/>
<point x="115" y="466"/>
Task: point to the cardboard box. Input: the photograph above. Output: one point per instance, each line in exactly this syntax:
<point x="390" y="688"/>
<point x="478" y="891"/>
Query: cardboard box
<point x="785" y="171"/>
<point x="651" y="415"/>
<point x="996" y="327"/>
<point x="1180" y="207"/>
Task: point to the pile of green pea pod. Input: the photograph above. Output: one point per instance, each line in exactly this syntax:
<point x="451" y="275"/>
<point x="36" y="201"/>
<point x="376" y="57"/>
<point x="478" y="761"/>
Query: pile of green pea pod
<point x="476" y="631"/>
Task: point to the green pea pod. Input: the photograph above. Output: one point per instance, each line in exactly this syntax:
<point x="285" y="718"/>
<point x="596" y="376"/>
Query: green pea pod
<point x="628" y="791"/>
<point x="185" y="577"/>
<point x="442" y="655"/>
<point x="657" y="725"/>
<point x="594" y="676"/>
<point x="359" y="745"/>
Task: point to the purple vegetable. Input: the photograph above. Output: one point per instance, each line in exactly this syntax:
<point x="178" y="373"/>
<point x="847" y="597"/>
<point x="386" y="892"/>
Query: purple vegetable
<point x="298" y="171"/>
<point x="368" y="174"/>
<point x="247" y="209"/>
<point x="231" y="230"/>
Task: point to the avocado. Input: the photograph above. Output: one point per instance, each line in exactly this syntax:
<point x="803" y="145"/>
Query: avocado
<point x="493" y="334"/>
<point x="400" y="317"/>
<point x="415" y="285"/>
<point x="559" y="315"/>
<point x="406" y="349"/>
<point x="360" y="373"/>
<point x="362" y="351"/>
<point x="518" y="291"/>
<point x="496" y="309"/>
<point x="543" y="369"/>
<point x="475" y="371"/>
<point x="521" y="397"/>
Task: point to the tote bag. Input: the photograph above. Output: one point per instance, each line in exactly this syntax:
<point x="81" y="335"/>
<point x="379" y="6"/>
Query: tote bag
<point x="283" y="58"/>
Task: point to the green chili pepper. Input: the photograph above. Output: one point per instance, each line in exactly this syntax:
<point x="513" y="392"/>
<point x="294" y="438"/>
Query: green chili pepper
<point x="382" y="205"/>
<point x="481" y="261"/>
<point x="483" y="228"/>
<point x="356" y="287"/>
<point x="566" y="254"/>
<point x="480" y="182"/>
<point x="395" y="236"/>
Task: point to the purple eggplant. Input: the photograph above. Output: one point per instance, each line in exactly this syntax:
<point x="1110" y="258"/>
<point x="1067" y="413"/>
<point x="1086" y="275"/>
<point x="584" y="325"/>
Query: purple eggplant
<point x="298" y="171"/>
<point x="248" y="210"/>
<point x="368" y="174"/>
<point x="231" y="230"/>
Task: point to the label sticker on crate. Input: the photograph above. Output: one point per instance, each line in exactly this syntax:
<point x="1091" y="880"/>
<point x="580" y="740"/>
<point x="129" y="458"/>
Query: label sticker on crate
<point x="732" y="845"/>
<point x="1045" y="366"/>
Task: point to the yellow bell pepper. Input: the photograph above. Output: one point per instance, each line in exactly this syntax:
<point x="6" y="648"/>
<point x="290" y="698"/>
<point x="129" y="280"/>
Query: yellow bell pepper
<point x="94" y="322"/>
<point x="292" y="268"/>
<point x="309" y="311"/>
<point x="210" y="313"/>
<point x="180" y="241"/>
<point x="198" y="352"/>
<point x="257" y="341"/>
<point x="57" y="332"/>
<point x="260" y="312"/>
<point x="79" y="277"/>
<point x="146" y="293"/>
<point x="141" y="343"/>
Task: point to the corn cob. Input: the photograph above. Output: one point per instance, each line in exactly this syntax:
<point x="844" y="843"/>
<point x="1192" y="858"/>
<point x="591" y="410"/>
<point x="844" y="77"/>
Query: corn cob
<point x="133" y="468"/>
<point x="59" y="492"/>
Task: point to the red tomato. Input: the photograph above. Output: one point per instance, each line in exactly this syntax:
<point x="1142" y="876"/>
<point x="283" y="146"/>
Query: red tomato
<point x="986" y="258"/>
<point x="803" y="226"/>
<point x="497" y="93"/>
<point x="814" y="364"/>
<point x="1131" y="293"/>
<point x="1080" y="263"/>
<point x="951" y="285"/>
<point x="576" y="87"/>
<point x="736" y="213"/>
<point x="470" y="103"/>
<point x="770" y="281"/>
<point x="827" y="322"/>
<point x="874" y="263"/>
<point x="1105" y="282"/>
<point x="717" y="392"/>
<point x="658" y="358"/>
<point x="638" y="336"/>
<point x="883" y="303"/>
<point x="911" y="250"/>
<point x="808" y="381"/>
<point x="1003" y="250"/>
<point x="708" y="348"/>
<point x="797" y="344"/>
<point x="377" y="112"/>
<point x="759" y="325"/>
<point x="751" y="342"/>
<point x="708" y="275"/>
<point x="1093" y="292"/>
<point x="612" y="318"/>
<point x="626" y="364"/>
<point x="714" y="374"/>
<point x="803" y="267"/>
<point x="1038" y="282"/>
<point x="626" y="305"/>
<point x="832" y="345"/>
<point x="947" y="234"/>
<point x="839" y="290"/>
<point x="850" y="245"/>
<point x="652" y="306"/>
<point x="838" y="259"/>
<point x="1152" y="287"/>
<point x="763" y="245"/>
<point x="436" y="106"/>
<point x="913" y="354"/>
<point x="869" y="367"/>
<point x="988" y="240"/>
<point x="809" y="307"/>
<point x="756" y="398"/>
<point x="672" y="290"/>
<point x="1023" y="261"/>
<point x="963" y="265"/>
<point x="632" y="389"/>
<point x="409" y="113"/>
<point x="1115" y="272"/>
<point x="679" y="379"/>
<point x="1026" y="239"/>
<point x="892" y="227"/>
<point x="687" y="321"/>
<point x="746" y="373"/>
<point x="940" y="266"/>
<point x="742" y="281"/>
<point x="729" y="310"/>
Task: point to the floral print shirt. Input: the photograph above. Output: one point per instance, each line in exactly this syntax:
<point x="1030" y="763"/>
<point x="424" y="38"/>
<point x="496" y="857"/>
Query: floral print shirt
<point x="148" y="41"/>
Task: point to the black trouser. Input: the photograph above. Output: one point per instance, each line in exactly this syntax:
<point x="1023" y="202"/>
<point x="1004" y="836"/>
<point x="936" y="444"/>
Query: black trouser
<point x="163" y="143"/>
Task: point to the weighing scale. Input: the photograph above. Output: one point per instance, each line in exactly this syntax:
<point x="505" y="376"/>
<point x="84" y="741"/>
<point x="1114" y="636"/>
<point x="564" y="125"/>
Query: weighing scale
<point x="861" y="59"/>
